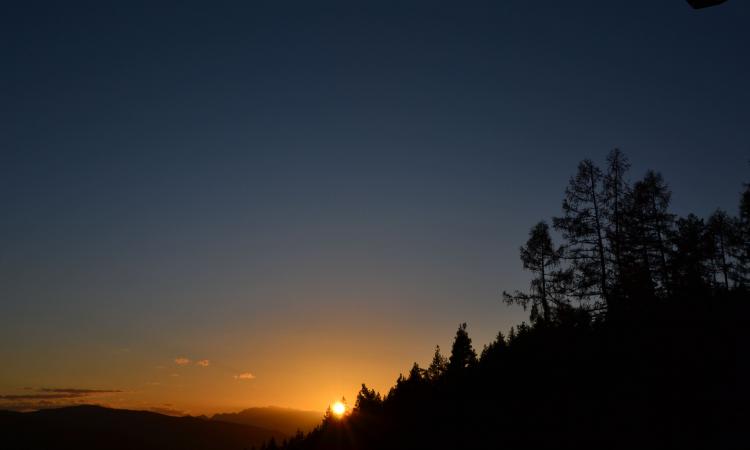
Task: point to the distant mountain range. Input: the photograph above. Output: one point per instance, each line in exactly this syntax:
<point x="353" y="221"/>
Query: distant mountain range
<point x="285" y="420"/>
<point x="95" y="428"/>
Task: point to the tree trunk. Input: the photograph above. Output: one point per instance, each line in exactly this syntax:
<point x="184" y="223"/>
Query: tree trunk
<point x="600" y="242"/>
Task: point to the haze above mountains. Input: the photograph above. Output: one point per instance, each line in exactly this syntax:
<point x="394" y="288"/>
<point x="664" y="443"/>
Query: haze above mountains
<point x="286" y="420"/>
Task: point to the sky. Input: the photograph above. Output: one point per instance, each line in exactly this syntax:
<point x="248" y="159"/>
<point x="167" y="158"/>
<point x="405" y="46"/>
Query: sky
<point x="208" y="206"/>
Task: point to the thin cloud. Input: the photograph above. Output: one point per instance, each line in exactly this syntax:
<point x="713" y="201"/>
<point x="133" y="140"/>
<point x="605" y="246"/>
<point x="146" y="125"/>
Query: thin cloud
<point x="245" y="376"/>
<point x="181" y="361"/>
<point x="16" y="397"/>
<point x="79" y="391"/>
<point x="58" y="394"/>
<point x="203" y="363"/>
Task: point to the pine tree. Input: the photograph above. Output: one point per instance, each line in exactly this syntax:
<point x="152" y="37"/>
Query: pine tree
<point x="415" y="374"/>
<point x="583" y="226"/>
<point x="462" y="354"/>
<point x="616" y="191"/>
<point x="492" y="352"/>
<point x="690" y="262"/>
<point x="741" y="242"/>
<point x="541" y="258"/>
<point x="437" y="367"/>
<point x="721" y="232"/>
<point x="649" y="225"/>
<point x="368" y="400"/>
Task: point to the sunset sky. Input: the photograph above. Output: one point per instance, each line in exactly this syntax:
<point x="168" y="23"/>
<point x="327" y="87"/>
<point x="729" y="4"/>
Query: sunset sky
<point x="210" y="206"/>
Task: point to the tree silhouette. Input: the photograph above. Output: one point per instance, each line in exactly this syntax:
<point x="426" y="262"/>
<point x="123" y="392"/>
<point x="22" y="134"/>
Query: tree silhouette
<point x="692" y="255"/>
<point x="741" y="241"/>
<point x="583" y="227"/>
<point x="462" y="353"/>
<point x="368" y="400"/>
<point x="540" y="257"/>
<point x="721" y="233"/>
<point x="650" y="224"/>
<point x="616" y="192"/>
<point x="437" y="367"/>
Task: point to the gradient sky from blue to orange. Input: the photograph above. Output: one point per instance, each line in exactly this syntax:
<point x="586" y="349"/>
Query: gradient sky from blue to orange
<point x="318" y="193"/>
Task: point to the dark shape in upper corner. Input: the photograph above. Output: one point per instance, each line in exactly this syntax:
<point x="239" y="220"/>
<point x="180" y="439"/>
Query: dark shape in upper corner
<point x="698" y="4"/>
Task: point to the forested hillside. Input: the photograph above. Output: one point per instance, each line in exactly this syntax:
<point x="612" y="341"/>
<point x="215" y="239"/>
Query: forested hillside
<point x="635" y="338"/>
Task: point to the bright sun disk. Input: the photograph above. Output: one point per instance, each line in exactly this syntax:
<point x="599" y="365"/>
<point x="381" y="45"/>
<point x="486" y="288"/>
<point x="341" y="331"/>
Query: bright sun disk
<point x="338" y="408"/>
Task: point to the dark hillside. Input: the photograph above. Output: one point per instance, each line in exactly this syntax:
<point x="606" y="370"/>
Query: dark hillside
<point x="94" y="427"/>
<point x="637" y="338"/>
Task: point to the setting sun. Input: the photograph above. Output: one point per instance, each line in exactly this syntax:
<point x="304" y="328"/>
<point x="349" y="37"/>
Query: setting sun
<point x="338" y="409"/>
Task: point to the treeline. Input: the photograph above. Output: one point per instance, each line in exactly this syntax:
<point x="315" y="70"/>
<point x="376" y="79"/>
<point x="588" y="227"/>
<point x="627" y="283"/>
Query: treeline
<point x="623" y="248"/>
<point x="633" y="341"/>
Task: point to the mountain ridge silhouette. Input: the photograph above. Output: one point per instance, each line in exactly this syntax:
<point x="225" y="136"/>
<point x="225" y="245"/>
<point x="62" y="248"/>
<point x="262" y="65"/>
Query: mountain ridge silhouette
<point x="85" y="427"/>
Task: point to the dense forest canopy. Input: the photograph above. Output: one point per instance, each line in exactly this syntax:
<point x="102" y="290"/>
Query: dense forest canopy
<point x="632" y="340"/>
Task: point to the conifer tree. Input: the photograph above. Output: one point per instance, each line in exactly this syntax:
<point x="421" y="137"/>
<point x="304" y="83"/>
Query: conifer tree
<point x="462" y="354"/>
<point x="690" y="262"/>
<point x="583" y="227"/>
<point x="649" y="225"/>
<point x="741" y="241"/>
<point x="368" y="400"/>
<point x="437" y="367"/>
<point x="721" y="233"/>
<point x="415" y="374"/>
<point x="616" y="191"/>
<point x="492" y="352"/>
<point x="540" y="257"/>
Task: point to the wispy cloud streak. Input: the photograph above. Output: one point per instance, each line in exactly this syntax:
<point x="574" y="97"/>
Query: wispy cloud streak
<point x="245" y="376"/>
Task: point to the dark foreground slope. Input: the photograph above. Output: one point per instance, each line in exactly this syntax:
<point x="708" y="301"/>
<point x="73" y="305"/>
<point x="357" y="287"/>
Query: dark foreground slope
<point x="286" y="420"/>
<point x="669" y="379"/>
<point x="94" y="427"/>
<point x="638" y="338"/>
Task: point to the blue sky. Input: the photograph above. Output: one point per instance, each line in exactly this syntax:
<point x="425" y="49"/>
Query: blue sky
<point x="256" y="182"/>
